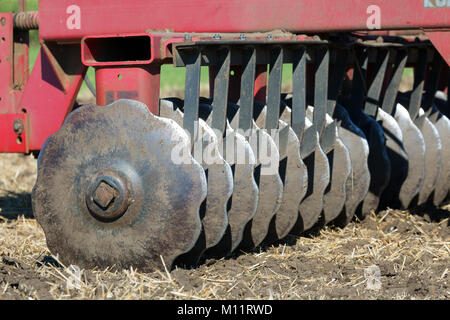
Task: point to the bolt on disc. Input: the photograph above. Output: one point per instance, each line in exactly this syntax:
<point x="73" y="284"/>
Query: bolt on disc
<point x="108" y="195"/>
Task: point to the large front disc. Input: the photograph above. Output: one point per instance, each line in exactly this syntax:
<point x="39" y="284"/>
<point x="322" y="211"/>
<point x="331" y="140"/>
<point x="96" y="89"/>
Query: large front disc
<point x="114" y="190"/>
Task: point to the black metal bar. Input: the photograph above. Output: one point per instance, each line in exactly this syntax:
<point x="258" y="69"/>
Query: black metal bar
<point x="360" y="59"/>
<point x="299" y="92"/>
<point x="247" y="88"/>
<point x="192" y="92"/>
<point x="321" y="89"/>
<point x="373" y="94"/>
<point x="262" y="56"/>
<point x="336" y="78"/>
<point x="274" y="88"/>
<point x="221" y="84"/>
<point x="390" y="96"/>
<point x="209" y="49"/>
<point x="415" y="101"/>
<point x="434" y="74"/>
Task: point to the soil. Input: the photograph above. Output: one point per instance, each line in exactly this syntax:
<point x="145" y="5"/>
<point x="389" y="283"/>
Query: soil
<point x="411" y="250"/>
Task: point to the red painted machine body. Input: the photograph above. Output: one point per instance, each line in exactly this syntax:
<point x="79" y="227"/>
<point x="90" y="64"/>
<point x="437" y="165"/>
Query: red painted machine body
<point x="74" y="32"/>
<point x="134" y="16"/>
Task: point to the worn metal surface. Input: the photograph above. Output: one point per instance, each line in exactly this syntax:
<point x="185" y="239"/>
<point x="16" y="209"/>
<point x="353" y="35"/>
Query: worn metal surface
<point x="295" y="182"/>
<point x="245" y="198"/>
<point x="440" y="122"/>
<point x="340" y="169"/>
<point x="247" y="92"/>
<point x="345" y="165"/>
<point x="243" y="203"/>
<point x="108" y="195"/>
<point x="318" y="170"/>
<point x="274" y="88"/>
<point x="293" y="173"/>
<point x="339" y="164"/>
<point x="414" y="144"/>
<point x="219" y="179"/>
<point x="161" y="222"/>
<point x="221" y="85"/>
<point x="267" y="177"/>
<point x="298" y="103"/>
<point x="192" y="93"/>
<point x="318" y="167"/>
<point x="337" y="152"/>
<point x="433" y="155"/>
<point x="417" y="100"/>
<point x="397" y="156"/>
<point x="379" y="163"/>
<point x="412" y="139"/>
<point x="358" y="181"/>
<point x="392" y="132"/>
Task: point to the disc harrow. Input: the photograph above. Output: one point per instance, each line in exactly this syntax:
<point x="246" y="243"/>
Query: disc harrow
<point x="211" y="176"/>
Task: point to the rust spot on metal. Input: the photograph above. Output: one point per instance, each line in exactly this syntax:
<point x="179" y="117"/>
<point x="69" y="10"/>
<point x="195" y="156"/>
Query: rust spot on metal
<point x="104" y="194"/>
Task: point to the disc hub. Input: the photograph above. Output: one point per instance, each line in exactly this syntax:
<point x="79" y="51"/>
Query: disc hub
<point x="108" y="195"/>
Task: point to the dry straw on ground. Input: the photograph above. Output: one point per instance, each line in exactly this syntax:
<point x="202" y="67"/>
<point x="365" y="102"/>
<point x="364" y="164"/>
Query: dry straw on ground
<point x="411" y="249"/>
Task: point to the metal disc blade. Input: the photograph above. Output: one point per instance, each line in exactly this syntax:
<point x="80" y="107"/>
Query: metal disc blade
<point x="295" y="183"/>
<point x="442" y="125"/>
<point x="318" y="179"/>
<point x="269" y="183"/>
<point x="294" y="173"/>
<point x="339" y="164"/>
<point x="414" y="144"/>
<point x="219" y="176"/>
<point x="111" y="193"/>
<point x="242" y="204"/>
<point x="340" y="167"/>
<point x="244" y="201"/>
<point x="379" y="163"/>
<point x="397" y="156"/>
<point x="358" y="181"/>
<point x="433" y="156"/>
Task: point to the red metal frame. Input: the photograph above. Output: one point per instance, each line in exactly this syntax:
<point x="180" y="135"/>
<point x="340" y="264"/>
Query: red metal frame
<point x="129" y="82"/>
<point x="43" y="100"/>
<point x="6" y="63"/>
<point x="139" y="16"/>
<point x="50" y="94"/>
